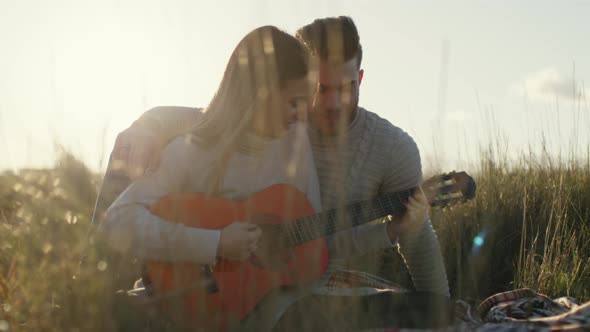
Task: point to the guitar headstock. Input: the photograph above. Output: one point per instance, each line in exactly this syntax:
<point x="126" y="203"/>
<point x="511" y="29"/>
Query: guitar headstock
<point x="449" y="189"/>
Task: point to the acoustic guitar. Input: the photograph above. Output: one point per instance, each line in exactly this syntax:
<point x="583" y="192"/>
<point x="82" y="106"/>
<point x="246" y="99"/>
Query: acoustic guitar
<point x="291" y="251"/>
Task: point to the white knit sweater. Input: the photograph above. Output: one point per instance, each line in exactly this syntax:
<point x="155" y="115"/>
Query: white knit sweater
<point x="130" y="227"/>
<point x="375" y="157"/>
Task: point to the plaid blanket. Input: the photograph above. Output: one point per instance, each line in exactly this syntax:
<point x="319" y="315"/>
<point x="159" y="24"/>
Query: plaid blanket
<point x="517" y="310"/>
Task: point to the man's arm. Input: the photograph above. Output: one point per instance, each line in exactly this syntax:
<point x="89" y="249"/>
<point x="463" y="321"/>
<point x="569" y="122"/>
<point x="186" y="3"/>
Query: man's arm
<point x="138" y="148"/>
<point x="400" y="169"/>
<point x="130" y="227"/>
<point x="169" y="121"/>
<point x="418" y="244"/>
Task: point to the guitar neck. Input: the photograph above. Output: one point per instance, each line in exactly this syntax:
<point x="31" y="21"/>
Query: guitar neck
<point x="332" y="221"/>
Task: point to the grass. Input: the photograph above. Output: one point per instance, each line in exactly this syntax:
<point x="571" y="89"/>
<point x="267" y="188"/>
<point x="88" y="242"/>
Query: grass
<point x="531" y="218"/>
<point x="528" y="227"/>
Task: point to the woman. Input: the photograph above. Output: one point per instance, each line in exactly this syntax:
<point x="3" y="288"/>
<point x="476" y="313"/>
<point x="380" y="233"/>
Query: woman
<point x="249" y="138"/>
<point x="234" y="151"/>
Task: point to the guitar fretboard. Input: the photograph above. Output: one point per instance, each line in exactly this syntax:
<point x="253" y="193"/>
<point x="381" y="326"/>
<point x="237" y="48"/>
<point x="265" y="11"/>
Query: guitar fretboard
<point x="332" y="221"/>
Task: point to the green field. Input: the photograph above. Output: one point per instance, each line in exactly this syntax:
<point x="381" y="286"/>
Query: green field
<point x="532" y="218"/>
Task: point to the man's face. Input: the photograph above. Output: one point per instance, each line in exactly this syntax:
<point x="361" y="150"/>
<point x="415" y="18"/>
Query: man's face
<point x="337" y="96"/>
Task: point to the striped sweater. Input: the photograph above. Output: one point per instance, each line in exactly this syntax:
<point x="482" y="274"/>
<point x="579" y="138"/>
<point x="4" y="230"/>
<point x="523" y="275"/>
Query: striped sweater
<point x="376" y="157"/>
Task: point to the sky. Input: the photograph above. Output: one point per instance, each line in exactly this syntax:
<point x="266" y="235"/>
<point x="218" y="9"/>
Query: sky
<point x="453" y="74"/>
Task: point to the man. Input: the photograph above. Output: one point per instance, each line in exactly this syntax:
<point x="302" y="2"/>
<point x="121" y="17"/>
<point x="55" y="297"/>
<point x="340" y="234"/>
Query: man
<point x="358" y="156"/>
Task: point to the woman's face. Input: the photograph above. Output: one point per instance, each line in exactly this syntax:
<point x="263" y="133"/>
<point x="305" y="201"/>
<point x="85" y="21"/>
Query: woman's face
<point x="280" y="109"/>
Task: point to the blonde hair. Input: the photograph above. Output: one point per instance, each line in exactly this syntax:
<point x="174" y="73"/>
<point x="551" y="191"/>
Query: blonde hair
<point x="261" y="64"/>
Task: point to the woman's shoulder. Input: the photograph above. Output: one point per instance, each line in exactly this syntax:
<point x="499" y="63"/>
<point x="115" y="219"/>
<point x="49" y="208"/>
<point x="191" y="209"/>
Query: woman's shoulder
<point x="184" y="149"/>
<point x="180" y="146"/>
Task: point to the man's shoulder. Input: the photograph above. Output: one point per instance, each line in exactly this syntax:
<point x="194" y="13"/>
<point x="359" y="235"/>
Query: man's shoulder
<point x="161" y="116"/>
<point x="386" y="133"/>
<point x="397" y="153"/>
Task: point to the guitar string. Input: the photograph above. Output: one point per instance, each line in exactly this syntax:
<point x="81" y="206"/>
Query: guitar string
<point x="360" y="211"/>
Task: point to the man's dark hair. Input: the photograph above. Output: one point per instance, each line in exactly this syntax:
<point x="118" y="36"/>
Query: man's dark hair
<point x="333" y="39"/>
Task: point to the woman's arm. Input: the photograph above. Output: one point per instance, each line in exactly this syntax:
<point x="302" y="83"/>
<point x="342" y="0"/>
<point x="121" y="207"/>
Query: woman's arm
<point x="130" y="227"/>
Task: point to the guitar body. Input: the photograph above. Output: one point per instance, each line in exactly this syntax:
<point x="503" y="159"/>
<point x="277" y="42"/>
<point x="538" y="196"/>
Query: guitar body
<point x="237" y="287"/>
